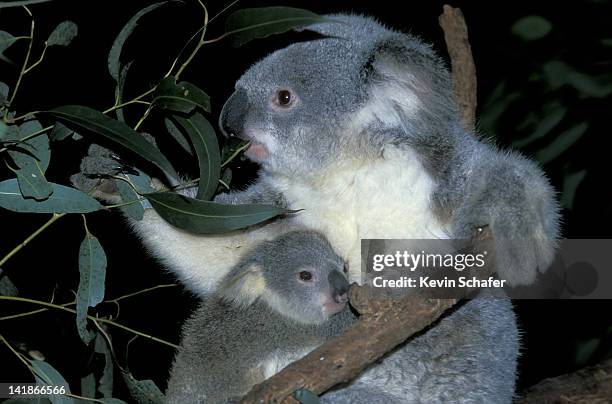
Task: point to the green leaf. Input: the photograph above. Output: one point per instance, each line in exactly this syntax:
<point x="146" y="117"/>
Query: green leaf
<point x="119" y="90"/>
<point x="60" y="132"/>
<point x="46" y="375"/>
<point x="531" y="27"/>
<point x="88" y="386"/>
<point x="110" y="400"/>
<point x="92" y="269"/>
<point x="63" y="200"/>
<point x="3" y="130"/>
<point x="143" y="391"/>
<point x="114" y="63"/>
<point x="563" y="142"/>
<point x="63" y="34"/>
<point x="6" y="40"/>
<point x="544" y="127"/>
<point x="34" y="150"/>
<point x="127" y="193"/>
<point x="7" y="288"/>
<point x="209" y="217"/>
<point x="570" y="185"/>
<point x="177" y="135"/>
<point x="105" y="386"/>
<point x="32" y="183"/>
<point x="204" y="141"/>
<point x="91" y="120"/>
<point x="182" y="97"/>
<point x="247" y="24"/>
<point x="4" y="89"/>
<point x="305" y="396"/>
<point x="21" y="3"/>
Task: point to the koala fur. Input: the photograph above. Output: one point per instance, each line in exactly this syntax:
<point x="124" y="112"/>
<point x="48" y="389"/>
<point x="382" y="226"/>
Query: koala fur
<point x="371" y="147"/>
<point x="262" y="318"/>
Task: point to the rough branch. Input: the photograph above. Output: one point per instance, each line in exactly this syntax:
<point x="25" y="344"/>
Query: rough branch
<point x="386" y="323"/>
<point x="588" y="385"/>
<point x="462" y="62"/>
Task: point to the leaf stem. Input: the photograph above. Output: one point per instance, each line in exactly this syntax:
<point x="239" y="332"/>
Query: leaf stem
<point x="92" y="318"/>
<point x="198" y="46"/>
<point x="23" y="66"/>
<point x="42" y="56"/>
<point x="31" y="237"/>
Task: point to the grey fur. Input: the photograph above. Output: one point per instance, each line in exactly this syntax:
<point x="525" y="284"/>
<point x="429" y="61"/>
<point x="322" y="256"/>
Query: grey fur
<point x="476" y="183"/>
<point x="227" y="339"/>
<point x="469" y="357"/>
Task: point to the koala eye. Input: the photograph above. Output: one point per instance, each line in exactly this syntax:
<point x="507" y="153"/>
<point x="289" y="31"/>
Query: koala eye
<point x="305" y="276"/>
<point x="284" y="98"/>
<point x="345" y="269"/>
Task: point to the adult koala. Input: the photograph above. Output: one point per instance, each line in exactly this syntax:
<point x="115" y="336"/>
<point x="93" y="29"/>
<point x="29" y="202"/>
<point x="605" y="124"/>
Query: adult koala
<point x="360" y="130"/>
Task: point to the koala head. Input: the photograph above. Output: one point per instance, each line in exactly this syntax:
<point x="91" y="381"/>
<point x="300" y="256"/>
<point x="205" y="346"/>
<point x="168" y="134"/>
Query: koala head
<point x="297" y="275"/>
<point x="313" y="103"/>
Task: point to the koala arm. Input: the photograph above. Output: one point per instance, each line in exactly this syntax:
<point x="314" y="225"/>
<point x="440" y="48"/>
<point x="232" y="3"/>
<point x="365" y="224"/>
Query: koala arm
<point x="511" y="195"/>
<point x="470" y="356"/>
<point x="199" y="261"/>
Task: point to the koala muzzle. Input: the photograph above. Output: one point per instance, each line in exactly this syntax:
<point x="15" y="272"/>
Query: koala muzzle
<point x="340" y="286"/>
<point x="231" y="120"/>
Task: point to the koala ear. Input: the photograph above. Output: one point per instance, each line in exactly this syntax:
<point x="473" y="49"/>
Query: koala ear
<point x="244" y="286"/>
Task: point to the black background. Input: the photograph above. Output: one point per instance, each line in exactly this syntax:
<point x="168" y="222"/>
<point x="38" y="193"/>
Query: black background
<point x="553" y="331"/>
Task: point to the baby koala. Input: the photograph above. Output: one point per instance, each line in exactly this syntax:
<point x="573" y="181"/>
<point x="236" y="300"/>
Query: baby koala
<point x="282" y="300"/>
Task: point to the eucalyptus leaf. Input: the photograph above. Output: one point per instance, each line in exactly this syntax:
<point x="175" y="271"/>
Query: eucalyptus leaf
<point x="119" y="89"/>
<point x="585" y="350"/>
<point x="87" y="119"/>
<point x="32" y="183"/>
<point x="6" y="40"/>
<point x="92" y="270"/>
<point x="88" y="386"/>
<point x="105" y="385"/>
<point x="60" y="132"/>
<point x="5" y="4"/>
<point x="143" y="391"/>
<point x="177" y="135"/>
<point x="47" y="375"/>
<point x="63" y="34"/>
<point x="34" y="151"/>
<point x="305" y="396"/>
<point x="3" y="130"/>
<point x="63" y="200"/>
<point x="114" y="63"/>
<point x="111" y="400"/>
<point x="563" y="142"/>
<point x="544" y="127"/>
<point x="571" y="182"/>
<point x="4" y="90"/>
<point x="205" y="217"/>
<point x="134" y="210"/>
<point x="182" y="97"/>
<point x="531" y="27"/>
<point x="204" y="141"/>
<point x="247" y="24"/>
<point x="7" y="288"/>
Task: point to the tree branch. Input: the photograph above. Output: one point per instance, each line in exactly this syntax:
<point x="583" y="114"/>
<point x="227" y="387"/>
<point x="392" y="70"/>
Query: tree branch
<point x="589" y="385"/>
<point x="462" y="62"/>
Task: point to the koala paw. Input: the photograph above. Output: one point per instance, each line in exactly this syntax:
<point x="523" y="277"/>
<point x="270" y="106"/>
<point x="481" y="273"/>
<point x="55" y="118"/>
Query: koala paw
<point x="96" y="172"/>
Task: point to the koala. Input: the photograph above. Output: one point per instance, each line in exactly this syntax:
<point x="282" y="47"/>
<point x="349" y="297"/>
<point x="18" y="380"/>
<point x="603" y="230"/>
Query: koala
<point x="359" y="131"/>
<point x="283" y="299"/>
<point x="288" y="295"/>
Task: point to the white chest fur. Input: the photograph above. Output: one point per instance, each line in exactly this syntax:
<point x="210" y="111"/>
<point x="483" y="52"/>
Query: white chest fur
<point x="385" y="198"/>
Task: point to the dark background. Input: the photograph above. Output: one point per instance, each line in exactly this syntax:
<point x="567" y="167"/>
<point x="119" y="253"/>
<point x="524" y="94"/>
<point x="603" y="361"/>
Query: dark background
<point x="558" y="336"/>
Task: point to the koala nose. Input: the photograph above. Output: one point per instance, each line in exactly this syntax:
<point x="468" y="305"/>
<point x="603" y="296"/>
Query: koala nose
<point x="339" y="285"/>
<point x="231" y="120"/>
